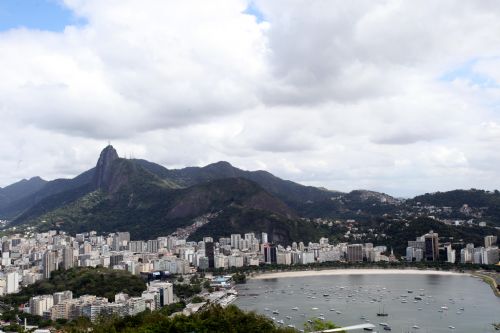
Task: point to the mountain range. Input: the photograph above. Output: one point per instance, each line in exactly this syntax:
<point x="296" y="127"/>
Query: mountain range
<point x="150" y="200"/>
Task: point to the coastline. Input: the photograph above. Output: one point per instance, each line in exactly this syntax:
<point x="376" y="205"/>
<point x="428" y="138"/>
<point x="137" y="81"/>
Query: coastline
<point x="350" y="271"/>
<point x="490" y="281"/>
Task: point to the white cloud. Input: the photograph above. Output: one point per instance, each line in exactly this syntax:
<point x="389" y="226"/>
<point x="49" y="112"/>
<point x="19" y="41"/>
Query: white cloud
<point x="331" y="93"/>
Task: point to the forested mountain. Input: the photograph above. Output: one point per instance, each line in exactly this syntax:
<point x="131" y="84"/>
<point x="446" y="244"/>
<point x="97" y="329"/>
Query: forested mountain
<point x="150" y="200"/>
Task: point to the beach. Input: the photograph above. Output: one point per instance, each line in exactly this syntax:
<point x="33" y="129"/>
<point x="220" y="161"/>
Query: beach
<point x="362" y="271"/>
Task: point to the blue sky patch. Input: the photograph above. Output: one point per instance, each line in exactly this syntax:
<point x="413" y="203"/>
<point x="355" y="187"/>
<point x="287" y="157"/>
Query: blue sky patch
<point x="50" y="15"/>
<point x="253" y="10"/>
<point x="466" y="72"/>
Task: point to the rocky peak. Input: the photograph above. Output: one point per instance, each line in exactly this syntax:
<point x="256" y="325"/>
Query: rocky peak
<point x="102" y="174"/>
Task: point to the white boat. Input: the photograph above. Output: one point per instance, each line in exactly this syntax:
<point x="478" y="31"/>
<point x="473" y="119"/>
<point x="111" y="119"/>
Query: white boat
<point x="451" y="327"/>
<point x="295" y="309"/>
<point x="314" y="309"/>
<point x="415" y="327"/>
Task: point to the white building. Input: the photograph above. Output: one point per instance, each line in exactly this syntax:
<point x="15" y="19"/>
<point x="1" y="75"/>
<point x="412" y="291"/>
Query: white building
<point x="165" y="291"/>
<point x="11" y="282"/>
<point x="40" y="304"/>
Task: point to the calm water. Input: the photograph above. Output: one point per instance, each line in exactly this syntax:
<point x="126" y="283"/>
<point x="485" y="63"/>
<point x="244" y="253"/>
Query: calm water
<point x="351" y="297"/>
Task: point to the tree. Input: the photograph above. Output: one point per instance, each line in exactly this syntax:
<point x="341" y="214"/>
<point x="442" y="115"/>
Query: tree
<point x="318" y="325"/>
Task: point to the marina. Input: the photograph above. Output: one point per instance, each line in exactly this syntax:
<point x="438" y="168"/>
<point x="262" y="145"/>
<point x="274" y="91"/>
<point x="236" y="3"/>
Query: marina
<point x="447" y="303"/>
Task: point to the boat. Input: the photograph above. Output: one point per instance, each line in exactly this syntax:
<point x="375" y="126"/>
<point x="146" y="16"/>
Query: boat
<point x="382" y="313"/>
<point x="368" y="329"/>
<point x="387" y="328"/>
<point x="276" y="312"/>
<point x="295" y="309"/>
<point x="416" y="327"/>
<point x="451" y="327"/>
<point x="314" y="308"/>
<point x="418" y="298"/>
<point x="410" y="291"/>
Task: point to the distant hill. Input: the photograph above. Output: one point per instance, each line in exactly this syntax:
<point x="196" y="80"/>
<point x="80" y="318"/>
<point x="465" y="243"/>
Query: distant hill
<point x="20" y="190"/>
<point x="49" y="189"/>
<point x="150" y="200"/>
<point x="287" y="190"/>
<point x="458" y="198"/>
<point x="484" y="202"/>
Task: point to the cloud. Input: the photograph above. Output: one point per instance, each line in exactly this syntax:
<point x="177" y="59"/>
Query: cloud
<point x="384" y="95"/>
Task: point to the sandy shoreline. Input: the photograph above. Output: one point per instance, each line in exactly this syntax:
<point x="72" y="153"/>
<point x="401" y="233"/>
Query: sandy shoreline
<point x="361" y="271"/>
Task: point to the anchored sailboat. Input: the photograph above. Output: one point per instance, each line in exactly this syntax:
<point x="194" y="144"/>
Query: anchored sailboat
<point x="382" y="313"/>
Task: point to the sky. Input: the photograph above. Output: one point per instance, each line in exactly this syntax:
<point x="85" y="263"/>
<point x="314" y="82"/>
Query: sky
<point x="401" y="97"/>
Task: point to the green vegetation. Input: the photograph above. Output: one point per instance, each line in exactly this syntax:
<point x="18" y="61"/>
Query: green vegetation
<point x="318" y="325"/>
<point x="137" y="197"/>
<point x="473" y="197"/>
<point x="343" y="265"/>
<point x="239" y="278"/>
<point x="99" y="281"/>
<point x="284" y="230"/>
<point x="185" y="291"/>
<point x="399" y="233"/>
<point x="197" y="299"/>
<point x="213" y="319"/>
<point x="11" y="316"/>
